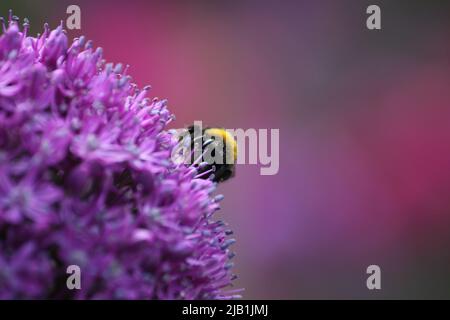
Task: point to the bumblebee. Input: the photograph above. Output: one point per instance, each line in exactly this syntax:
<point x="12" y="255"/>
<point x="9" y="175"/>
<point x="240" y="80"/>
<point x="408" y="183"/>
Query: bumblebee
<point x="210" y="141"/>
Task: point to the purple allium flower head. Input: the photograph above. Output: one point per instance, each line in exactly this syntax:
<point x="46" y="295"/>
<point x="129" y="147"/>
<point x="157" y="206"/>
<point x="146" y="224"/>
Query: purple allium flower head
<point x="86" y="179"/>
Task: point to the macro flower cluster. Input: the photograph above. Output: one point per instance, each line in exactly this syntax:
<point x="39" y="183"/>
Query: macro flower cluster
<point x="86" y="179"/>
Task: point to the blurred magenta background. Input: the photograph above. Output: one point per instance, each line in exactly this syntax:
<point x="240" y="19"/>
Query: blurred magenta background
<point x="364" y="119"/>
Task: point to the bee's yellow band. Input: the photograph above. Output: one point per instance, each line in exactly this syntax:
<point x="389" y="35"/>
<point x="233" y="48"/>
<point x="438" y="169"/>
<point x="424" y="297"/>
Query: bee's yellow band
<point x="228" y="139"/>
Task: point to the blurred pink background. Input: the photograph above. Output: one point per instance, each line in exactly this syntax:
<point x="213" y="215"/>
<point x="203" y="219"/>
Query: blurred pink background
<point x="364" y="119"/>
